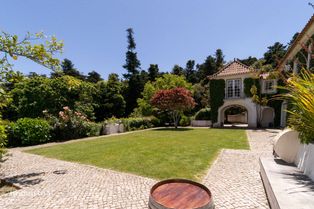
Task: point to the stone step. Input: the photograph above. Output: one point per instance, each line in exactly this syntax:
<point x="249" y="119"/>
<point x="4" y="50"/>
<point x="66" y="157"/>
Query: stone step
<point x="286" y="186"/>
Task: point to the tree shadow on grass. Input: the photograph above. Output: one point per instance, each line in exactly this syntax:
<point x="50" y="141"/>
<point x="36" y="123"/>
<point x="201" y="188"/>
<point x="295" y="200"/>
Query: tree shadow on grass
<point x="173" y="129"/>
<point x="29" y="179"/>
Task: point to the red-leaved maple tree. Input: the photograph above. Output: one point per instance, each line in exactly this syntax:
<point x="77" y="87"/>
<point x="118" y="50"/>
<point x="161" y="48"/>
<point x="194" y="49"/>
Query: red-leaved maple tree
<point x="175" y="101"/>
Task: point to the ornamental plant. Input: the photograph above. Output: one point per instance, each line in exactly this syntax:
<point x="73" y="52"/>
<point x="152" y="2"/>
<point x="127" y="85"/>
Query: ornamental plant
<point x="175" y="101"/>
<point x="301" y="97"/>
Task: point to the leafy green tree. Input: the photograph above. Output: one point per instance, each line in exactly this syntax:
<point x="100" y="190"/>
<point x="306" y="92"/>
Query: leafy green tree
<point x="69" y="69"/>
<point x="200" y="95"/>
<point x="153" y="72"/>
<point x="274" y="54"/>
<point x="109" y="99"/>
<point x="294" y="37"/>
<point x="207" y="68"/>
<point x="220" y="59"/>
<point x="260" y="101"/>
<point x="167" y="81"/>
<point x="211" y="65"/>
<point x="93" y="77"/>
<point x="177" y="70"/>
<point x="175" y="101"/>
<point x="249" y="61"/>
<point x="190" y="72"/>
<point x="132" y="65"/>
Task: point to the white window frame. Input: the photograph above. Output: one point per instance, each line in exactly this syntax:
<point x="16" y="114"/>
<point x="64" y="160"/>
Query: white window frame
<point x="234" y="93"/>
<point x="265" y="89"/>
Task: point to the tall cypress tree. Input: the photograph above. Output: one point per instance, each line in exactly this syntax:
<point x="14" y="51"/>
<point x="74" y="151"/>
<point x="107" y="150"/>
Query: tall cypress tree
<point x="133" y="76"/>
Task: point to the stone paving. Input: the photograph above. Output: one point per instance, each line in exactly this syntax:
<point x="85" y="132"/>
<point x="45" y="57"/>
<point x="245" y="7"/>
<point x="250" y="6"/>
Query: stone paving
<point x="234" y="178"/>
<point x="48" y="183"/>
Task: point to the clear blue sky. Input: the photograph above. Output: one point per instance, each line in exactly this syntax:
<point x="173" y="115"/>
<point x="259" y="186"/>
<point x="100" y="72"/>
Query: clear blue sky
<point x="167" y="32"/>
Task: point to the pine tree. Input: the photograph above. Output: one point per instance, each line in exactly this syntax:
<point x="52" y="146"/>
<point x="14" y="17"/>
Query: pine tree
<point x="133" y="76"/>
<point x="153" y="72"/>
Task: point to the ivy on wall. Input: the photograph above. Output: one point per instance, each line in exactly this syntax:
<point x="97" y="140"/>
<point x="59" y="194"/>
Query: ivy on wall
<point x="248" y="83"/>
<point x="216" y="95"/>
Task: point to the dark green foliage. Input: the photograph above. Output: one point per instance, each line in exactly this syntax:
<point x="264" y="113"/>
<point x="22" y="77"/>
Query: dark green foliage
<point x="109" y="101"/>
<point x="185" y="121"/>
<point x="93" y="77"/>
<point x="153" y="72"/>
<point x="177" y="70"/>
<point x="200" y="95"/>
<point x="203" y="114"/>
<point x="217" y="95"/>
<point x="3" y="138"/>
<point x="219" y="59"/>
<point x="34" y="95"/>
<point x="276" y="104"/>
<point x="211" y="65"/>
<point x="248" y="83"/>
<point x="274" y="54"/>
<point x="29" y="131"/>
<point x="133" y="76"/>
<point x="190" y="72"/>
<point x="132" y="124"/>
<point x="68" y="69"/>
<point x="249" y="61"/>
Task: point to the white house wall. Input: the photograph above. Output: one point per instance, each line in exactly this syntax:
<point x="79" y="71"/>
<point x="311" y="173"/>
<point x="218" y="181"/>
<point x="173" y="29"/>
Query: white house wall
<point x="244" y="102"/>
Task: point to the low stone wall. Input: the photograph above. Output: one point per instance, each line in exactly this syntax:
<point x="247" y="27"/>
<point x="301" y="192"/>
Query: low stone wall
<point x="113" y="129"/>
<point x="201" y="123"/>
<point x="305" y="159"/>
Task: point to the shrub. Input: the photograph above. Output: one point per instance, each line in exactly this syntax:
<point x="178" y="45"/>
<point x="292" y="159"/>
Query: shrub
<point x="300" y="95"/>
<point x="185" y="121"/>
<point x="132" y="124"/>
<point x="30" y="131"/>
<point x="203" y="114"/>
<point x="3" y="139"/>
<point x="72" y="125"/>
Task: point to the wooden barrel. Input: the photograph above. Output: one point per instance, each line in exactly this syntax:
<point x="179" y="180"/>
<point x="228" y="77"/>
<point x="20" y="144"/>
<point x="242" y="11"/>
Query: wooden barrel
<point x="180" y="193"/>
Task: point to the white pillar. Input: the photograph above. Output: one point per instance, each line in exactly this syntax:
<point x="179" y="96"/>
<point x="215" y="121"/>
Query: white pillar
<point x="295" y="66"/>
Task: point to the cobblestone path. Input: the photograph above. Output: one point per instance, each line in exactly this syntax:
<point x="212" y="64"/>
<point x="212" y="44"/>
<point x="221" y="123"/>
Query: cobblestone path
<point x="48" y="183"/>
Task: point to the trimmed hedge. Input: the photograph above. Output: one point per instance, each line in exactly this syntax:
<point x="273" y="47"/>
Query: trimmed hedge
<point x="132" y="124"/>
<point x="29" y="131"/>
<point x="203" y="114"/>
<point x="217" y="95"/>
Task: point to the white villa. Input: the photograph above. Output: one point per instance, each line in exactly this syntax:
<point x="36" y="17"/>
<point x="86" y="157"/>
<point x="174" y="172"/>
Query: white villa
<point x="299" y="55"/>
<point x="234" y="75"/>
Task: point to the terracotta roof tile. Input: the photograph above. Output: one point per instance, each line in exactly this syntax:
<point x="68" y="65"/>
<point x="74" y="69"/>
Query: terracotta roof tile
<point x="233" y="68"/>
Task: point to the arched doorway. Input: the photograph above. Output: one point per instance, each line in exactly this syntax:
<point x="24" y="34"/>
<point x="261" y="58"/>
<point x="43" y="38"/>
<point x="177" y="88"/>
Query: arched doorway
<point x="235" y="116"/>
<point x="245" y="104"/>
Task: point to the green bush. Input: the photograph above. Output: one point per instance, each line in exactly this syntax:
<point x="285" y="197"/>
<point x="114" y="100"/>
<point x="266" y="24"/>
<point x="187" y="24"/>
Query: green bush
<point x="203" y="114"/>
<point x="30" y="131"/>
<point x="185" y="121"/>
<point x="132" y="124"/>
<point x="72" y="125"/>
<point x="3" y="139"/>
<point x="91" y="129"/>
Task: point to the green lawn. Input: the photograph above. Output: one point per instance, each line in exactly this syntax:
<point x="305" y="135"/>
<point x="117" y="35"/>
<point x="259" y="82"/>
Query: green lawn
<point x="162" y="153"/>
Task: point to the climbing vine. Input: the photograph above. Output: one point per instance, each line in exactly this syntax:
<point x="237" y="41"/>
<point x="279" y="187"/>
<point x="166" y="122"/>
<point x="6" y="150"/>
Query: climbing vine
<point x="216" y="95"/>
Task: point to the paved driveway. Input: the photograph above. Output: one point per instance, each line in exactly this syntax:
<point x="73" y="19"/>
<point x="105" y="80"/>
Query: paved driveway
<point x="48" y="183"/>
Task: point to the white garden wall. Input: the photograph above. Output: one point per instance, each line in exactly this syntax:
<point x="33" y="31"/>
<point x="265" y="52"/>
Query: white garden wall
<point x="201" y="123"/>
<point x="305" y="159"/>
